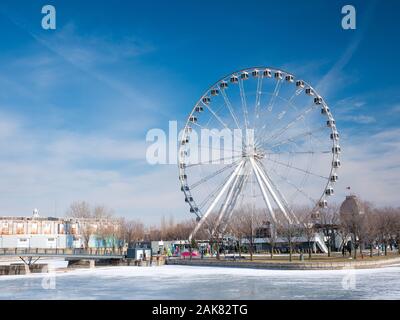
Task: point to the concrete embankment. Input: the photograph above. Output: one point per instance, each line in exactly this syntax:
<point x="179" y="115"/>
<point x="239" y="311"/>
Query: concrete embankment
<point x="358" y="264"/>
<point x="90" y="263"/>
<point x="16" y="269"/>
<point x="13" y="267"/>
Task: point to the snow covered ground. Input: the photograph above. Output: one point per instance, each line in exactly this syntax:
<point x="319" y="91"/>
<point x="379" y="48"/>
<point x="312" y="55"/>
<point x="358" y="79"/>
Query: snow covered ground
<point x="186" y="282"/>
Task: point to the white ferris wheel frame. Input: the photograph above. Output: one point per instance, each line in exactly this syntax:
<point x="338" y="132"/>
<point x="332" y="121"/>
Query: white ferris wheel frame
<point x="232" y="186"/>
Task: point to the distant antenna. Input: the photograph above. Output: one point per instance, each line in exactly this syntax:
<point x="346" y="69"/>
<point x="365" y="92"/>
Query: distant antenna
<point x="35" y="213"/>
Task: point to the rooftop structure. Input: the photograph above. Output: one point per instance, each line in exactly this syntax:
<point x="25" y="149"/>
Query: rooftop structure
<point x="351" y="206"/>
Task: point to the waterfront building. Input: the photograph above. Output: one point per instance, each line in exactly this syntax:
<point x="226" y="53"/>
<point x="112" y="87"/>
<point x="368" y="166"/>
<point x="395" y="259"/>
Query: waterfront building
<point x="56" y="233"/>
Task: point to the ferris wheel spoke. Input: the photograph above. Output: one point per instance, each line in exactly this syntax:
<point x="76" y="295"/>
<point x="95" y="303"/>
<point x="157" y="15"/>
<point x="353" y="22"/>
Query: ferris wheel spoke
<point x="303" y="134"/>
<point x="217" y="198"/>
<point x="296" y="168"/>
<point x="279" y="116"/>
<point x="215" y="115"/>
<point x="219" y="120"/>
<point x="290" y="124"/>
<point x="243" y="178"/>
<point x="258" y="98"/>
<point x="217" y="161"/>
<point x="274" y="195"/>
<point x="228" y="198"/>
<point x="244" y="103"/>
<point x="221" y="149"/>
<point x="213" y="175"/>
<point x="213" y="193"/>
<point x="263" y="191"/>
<point x="299" y="152"/>
<point x="218" y="136"/>
<point x="295" y="137"/>
<point x="230" y="108"/>
<point x="289" y="102"/>
<point x="313" y="201"/>
<point x="274" y="95"/>
<point x="280" y="198"/>
<point x="232" y="113"/>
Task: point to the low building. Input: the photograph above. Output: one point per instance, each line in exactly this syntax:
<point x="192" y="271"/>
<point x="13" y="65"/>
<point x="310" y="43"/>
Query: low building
<point x="53" y="233"/>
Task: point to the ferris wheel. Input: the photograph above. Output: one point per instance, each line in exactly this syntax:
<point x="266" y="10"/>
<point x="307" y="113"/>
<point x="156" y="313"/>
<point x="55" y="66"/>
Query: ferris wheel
<point x="258" y="138"/>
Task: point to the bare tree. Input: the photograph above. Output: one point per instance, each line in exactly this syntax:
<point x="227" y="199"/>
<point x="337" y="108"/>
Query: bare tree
<point x="396" y="228"/>
<point x="153" y="234"/>
<point x="272" y="239"/>
<point x="307" y="226"/>
<point x="107" y="225"/>
<point x="132" y="231"/>
<point x="352" y="223"/>
<point x="86" y="231"/>
<point x="81" y="210"/>
<point x="329" y="219"/>
<point x="248" y="221"/>
<point x="182" y="230"/>
<point x="366" y="227"/>
<point x="236" y="229"/>
<point x="102" y="212"/>
<point x="289" y="231"/>
<point x="97" y="221"/>
<point x="369" y="230"/>
<point x="343" y="232"/>
<point x="386" y="221"/>
<point x="213" y="233"/>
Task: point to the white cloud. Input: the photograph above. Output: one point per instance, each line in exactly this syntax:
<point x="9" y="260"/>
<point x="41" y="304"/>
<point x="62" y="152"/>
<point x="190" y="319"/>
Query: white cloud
<point x="48" y="173"/>
<point x="395" y="109"/>
<point x="361" y="119"/>
<point x="370" y="166"/>
<point x="58" y="168"/>
<point x="351" y="109"/>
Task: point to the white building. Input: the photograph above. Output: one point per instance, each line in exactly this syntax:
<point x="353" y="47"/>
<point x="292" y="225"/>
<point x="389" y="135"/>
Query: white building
<point x="46" y="232"/>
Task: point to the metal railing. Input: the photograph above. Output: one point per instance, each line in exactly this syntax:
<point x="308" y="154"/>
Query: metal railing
<point x="63" y="252"/>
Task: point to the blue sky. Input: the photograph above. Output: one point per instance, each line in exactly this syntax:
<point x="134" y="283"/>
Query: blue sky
<point x="76" y="102"/>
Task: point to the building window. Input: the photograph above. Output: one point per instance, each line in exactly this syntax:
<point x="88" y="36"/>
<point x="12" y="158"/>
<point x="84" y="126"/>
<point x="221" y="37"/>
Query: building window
<point x="20" y="228"/>
<point x="47" y="228"/>
<point x="34" y="228"/>
<point x="5" y="228"/>
<point x="61" y="228"/>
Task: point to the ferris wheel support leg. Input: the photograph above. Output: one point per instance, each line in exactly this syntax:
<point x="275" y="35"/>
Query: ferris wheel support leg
<point x="241" y="183"/>
<point x="264" y="193"/>
<point x="271" y="191"/>
<point x="228" y="198"/>
<point x="217" y="198"/>
<point x="273" y="186"/>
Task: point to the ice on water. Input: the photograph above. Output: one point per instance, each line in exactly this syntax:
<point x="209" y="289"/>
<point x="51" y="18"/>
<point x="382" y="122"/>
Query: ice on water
<point x="182" y="282"/>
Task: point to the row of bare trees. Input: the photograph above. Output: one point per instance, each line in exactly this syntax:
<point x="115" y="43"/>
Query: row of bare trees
<point x="88" y="216"/>
<point x="169" y="230"/>
<point x="375" y="228"/>
<point x="100" y="222"/>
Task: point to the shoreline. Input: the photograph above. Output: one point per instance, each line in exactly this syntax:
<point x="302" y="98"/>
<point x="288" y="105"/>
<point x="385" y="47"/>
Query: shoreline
<point x="294" y="265"/>
<point x="19" y="269"/>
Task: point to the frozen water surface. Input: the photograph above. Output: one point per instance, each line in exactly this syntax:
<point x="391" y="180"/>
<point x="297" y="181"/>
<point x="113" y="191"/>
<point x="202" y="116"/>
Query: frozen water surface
<point x="185" y="282"/>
